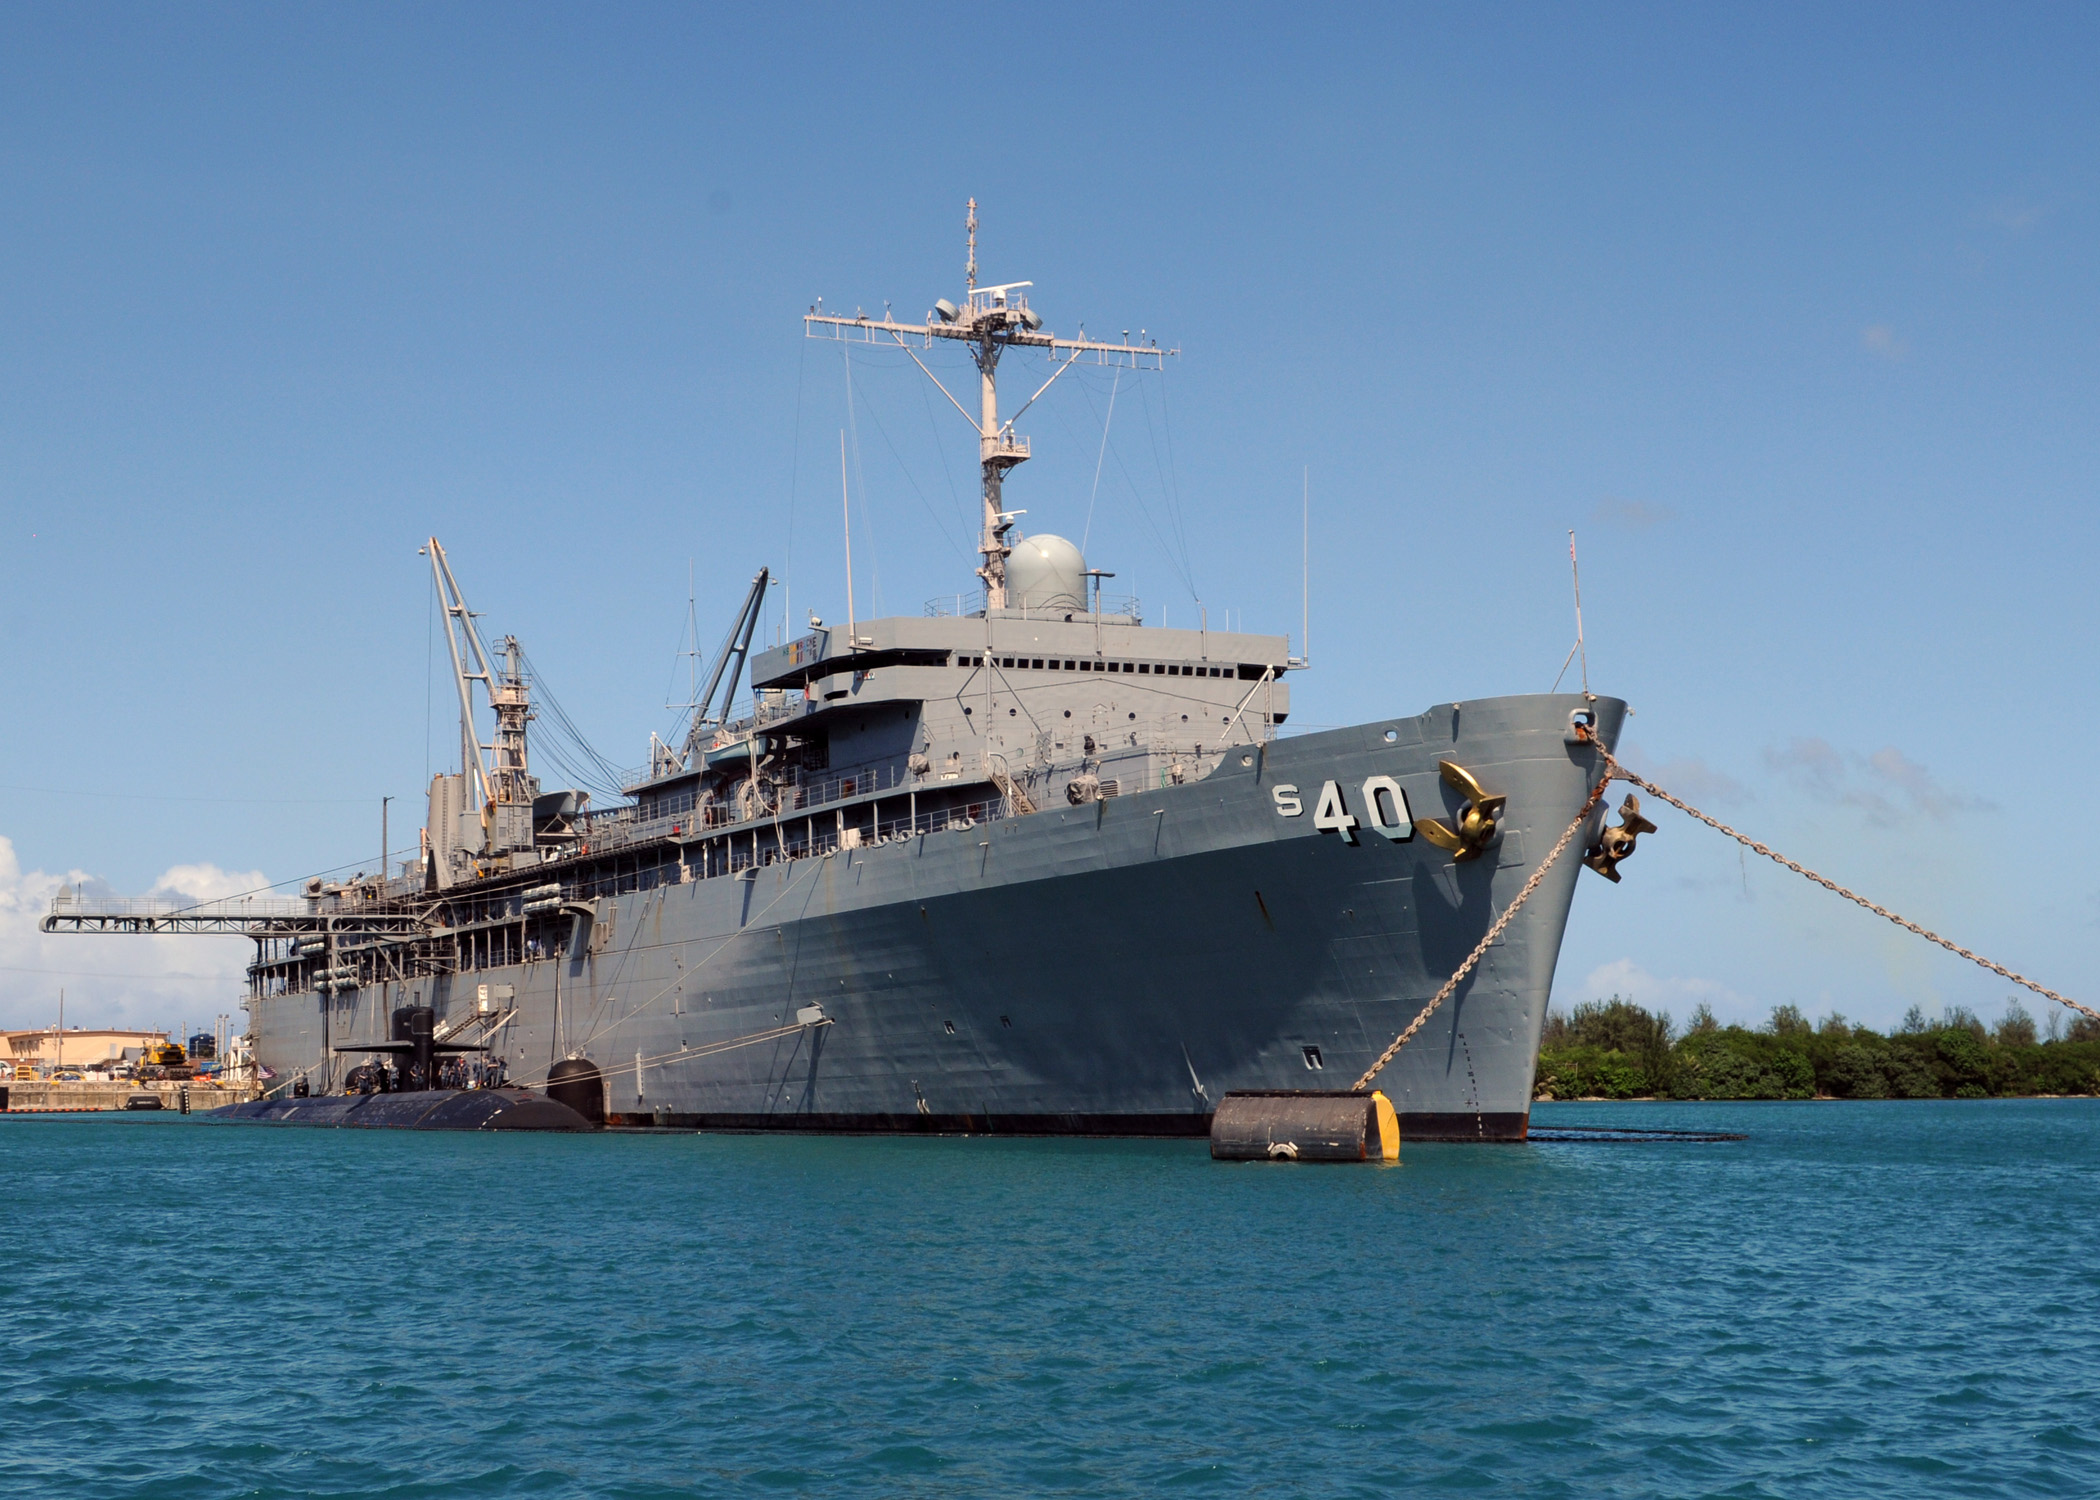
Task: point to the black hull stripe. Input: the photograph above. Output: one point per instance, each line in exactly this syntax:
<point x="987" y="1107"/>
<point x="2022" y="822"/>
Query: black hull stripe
<point x="1496" y="1126"/>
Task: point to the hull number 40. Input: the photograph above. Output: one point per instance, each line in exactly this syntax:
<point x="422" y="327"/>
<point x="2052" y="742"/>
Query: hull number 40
<point x="1381" y="801"/>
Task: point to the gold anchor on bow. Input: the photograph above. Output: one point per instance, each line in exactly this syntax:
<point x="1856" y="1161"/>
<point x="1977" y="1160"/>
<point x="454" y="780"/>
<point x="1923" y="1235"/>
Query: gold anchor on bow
<point x="1614" y="844"/>
<point x="1477" y="818"/>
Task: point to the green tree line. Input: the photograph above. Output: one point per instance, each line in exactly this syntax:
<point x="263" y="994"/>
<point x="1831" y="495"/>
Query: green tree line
<point x="1613" y="1049"/>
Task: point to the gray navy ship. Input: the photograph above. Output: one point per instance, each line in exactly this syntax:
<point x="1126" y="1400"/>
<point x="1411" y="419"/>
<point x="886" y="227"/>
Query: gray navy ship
<point x="1022" y="864"/>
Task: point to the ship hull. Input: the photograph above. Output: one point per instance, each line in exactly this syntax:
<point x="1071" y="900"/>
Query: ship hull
<point x="1107" y="969"/>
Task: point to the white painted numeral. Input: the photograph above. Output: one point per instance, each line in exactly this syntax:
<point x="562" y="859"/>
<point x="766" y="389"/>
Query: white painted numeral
<point x="1287" y="803"/>
<point x="1333" y="813"/>
<point x="1381" y="792"/>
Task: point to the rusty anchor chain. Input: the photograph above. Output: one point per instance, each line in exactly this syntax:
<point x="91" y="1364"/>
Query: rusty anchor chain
<point x="1618" y="772"/>
<point x="1494" y="931"/>
<point x="1613" y="771"/>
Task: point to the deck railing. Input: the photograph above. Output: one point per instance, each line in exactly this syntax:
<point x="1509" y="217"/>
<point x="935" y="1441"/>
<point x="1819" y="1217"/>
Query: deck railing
<point x="66" y="903"/>
<point x="965" y="606"/>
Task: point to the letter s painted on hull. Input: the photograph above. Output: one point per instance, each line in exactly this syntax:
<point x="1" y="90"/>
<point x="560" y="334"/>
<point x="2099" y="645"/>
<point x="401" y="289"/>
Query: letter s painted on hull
<point x="1286" y="798"/>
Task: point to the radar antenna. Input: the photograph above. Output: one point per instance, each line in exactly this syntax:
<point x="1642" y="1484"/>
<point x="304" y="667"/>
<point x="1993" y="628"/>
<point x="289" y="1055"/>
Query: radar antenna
<point x="991" y="320"/>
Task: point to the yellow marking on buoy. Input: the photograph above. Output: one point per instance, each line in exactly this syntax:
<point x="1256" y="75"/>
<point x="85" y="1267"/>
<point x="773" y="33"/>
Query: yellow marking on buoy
<point x="1388" y="1126"/>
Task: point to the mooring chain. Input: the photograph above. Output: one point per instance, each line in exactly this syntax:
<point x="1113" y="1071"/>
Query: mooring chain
<point x="1567" y="837"/>
<point x="1615" y="771"/>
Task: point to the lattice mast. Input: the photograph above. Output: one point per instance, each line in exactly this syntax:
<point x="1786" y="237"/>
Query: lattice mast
<point x="991" y="320"/>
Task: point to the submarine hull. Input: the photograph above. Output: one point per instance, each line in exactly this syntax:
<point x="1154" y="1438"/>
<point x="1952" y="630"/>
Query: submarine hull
<point x="436" y="1109"/>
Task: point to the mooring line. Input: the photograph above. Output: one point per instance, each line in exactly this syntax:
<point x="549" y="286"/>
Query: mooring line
<point x="1613" y="771"/>
<point x="1567" y="836"/>
<point x="1619" y="772"/>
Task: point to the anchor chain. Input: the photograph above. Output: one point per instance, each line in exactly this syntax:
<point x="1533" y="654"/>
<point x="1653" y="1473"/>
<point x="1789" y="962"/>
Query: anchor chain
<point x="1613" y="771"/>
<point x="1494" y="931"/>
<point x="1616" y="771"/>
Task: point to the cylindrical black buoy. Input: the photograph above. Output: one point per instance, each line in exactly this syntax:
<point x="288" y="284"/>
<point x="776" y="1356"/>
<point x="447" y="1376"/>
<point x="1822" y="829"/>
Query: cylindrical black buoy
<point x="1304" y="1125"/>
<point x="576" y="1082"/>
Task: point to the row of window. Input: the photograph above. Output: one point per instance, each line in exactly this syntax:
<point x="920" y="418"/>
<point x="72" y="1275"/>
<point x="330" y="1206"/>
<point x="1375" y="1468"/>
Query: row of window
<point x="1088" y="664"/>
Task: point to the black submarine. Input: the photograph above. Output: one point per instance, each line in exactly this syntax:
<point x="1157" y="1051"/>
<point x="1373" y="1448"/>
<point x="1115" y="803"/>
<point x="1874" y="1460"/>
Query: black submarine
<point x="402" y="1089"/>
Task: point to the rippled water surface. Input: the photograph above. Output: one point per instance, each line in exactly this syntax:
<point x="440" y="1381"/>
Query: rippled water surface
<point x="1858" y="1299"/>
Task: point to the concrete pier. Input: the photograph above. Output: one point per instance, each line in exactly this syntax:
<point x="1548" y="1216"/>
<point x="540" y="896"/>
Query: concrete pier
<point x="90" y="1098"/>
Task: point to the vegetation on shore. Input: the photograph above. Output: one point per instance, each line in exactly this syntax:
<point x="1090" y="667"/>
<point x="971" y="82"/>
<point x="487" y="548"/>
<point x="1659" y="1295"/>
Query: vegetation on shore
<point x="1613" y="1049"/>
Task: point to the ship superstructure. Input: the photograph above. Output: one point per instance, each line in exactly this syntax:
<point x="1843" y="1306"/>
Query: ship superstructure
<point x="1023" y="862"/>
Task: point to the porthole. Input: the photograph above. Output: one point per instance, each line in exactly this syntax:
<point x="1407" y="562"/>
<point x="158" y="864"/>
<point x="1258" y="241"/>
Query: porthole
<point x="1391" y="735"/>
<point x="1068" y="713"/>
<point x="1011" y="712"/>
<point x="1133" y="716"/>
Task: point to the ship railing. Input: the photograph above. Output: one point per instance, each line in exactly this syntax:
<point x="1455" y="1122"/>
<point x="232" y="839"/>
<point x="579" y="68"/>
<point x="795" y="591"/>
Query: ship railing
<point x="817" y="841"/>
<point x="804" y="795"/>
<point x="622" y="827"/>
<point x="968" y="606"/>
<point x="782" y="706"/>
<point x="73" y="903"/>
<point x="955" y="606"/>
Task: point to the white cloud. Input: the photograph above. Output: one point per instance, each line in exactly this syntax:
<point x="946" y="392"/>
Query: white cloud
<point x="1879" y="338"/>
<point x="1888" y="786"/>
<point x="2018" y="215"/>
<point x="207" y="883"/>
<point x="1634" y="515"/>
<point x="116" y="981"/>
<point x="1688" y="776"/>
<point x="1678" y="995"/>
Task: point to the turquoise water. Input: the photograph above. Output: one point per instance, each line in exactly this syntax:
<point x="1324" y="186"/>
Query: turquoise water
<point x="1859" y="1299"/>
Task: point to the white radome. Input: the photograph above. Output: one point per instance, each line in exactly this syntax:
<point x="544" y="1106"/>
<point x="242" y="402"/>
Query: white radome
<point x="1045" y="572"/>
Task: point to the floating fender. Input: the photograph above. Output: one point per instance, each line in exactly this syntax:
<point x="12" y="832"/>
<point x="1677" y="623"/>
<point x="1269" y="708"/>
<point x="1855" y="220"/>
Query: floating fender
<point x="1304" y="1125"/>
<point x="431" y="1109"/>
<point x="576" y="1082"/>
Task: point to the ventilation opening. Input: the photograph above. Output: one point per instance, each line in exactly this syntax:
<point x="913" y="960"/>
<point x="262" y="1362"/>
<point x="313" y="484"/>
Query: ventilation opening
<point x="1312" y="1058"/>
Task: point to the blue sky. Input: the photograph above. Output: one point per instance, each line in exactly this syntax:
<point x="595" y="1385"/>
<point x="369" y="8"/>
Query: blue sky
<point x="1787" y="312"/>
